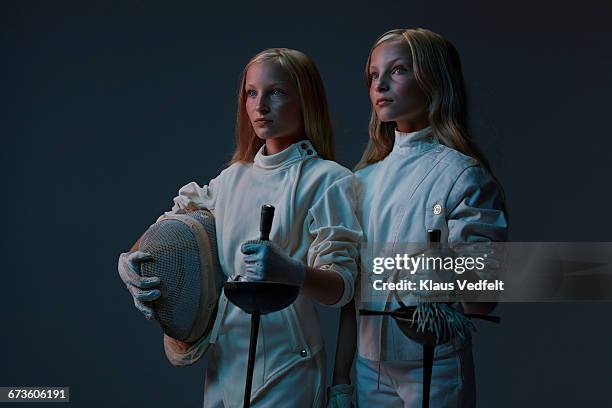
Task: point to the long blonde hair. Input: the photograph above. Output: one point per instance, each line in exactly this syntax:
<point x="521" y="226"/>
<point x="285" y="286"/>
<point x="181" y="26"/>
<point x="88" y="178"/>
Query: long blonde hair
<point x="315" y="114"/>
<point x="437" y="70"/>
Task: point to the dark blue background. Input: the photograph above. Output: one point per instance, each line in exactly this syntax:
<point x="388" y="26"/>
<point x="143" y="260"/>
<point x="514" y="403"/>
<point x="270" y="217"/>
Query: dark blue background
<point x="109" y="107"/>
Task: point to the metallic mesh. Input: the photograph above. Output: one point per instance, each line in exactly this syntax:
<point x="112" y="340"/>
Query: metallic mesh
<point x="177" y="263"/>
<point x="208" y="222"/>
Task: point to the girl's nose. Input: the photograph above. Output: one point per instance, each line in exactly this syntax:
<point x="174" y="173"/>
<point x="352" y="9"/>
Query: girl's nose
<point x="381" y="85"/>
<point x="262" y="106"/>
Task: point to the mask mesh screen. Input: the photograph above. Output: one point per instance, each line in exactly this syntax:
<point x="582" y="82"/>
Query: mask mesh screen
<point x="177" y="263"/>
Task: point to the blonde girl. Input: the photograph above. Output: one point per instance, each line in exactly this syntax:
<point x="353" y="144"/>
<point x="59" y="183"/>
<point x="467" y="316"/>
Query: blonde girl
<point x="284" y="157"/>
<point x="420" y="171"/>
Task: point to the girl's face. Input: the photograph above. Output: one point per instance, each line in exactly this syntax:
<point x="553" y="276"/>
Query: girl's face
<point x="394" y="92"/>
<point x="273" y="105"/>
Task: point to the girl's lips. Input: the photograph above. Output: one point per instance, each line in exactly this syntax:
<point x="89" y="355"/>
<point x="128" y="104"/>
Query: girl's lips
<point x="262" y="122"/>
<point x="383" y="101"/>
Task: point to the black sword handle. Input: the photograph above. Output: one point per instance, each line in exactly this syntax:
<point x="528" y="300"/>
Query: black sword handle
<point x="433" y="236"/>
<point x="433" y="240"/>
<point x="265" y="222"/>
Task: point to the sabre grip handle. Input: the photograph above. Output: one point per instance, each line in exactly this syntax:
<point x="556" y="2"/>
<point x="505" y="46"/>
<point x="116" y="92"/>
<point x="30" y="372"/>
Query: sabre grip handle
<point x="265" y="223"/>
<point x="434" y="236"/>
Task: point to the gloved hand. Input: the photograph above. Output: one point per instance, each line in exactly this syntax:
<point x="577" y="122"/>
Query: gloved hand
<point x="141" y="288"/>
<point x="340" y="396"/>
<point x="266" y="262"/>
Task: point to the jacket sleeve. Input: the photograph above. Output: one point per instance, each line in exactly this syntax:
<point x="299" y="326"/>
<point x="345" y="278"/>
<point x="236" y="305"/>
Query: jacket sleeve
<point x="178" y="357"/>
<point x="193" y="197"/>
<point x="476" y="208"/>
<point x="476" y="218"/>
<point x="337" y="233"/>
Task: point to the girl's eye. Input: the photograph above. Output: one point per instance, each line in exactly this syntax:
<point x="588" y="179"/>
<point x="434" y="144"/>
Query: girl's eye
<point x="277" y="92"/>
<point x="373" y="76"/>
<point x="251" y="93"/>
<point x="398" y="70"/>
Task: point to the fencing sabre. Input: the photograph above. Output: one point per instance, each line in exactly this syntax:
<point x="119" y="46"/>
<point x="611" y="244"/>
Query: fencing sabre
<point x="257" y="298"/>
<point x="436" y="324"/>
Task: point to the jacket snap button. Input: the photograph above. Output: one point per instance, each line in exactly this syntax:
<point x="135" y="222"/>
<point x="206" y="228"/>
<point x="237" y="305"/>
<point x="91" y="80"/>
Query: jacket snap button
<point x="309" y="152"/>
<point x="437" y="209"/>
<point x="303" y="353"/>
<point x="303" y="145"/>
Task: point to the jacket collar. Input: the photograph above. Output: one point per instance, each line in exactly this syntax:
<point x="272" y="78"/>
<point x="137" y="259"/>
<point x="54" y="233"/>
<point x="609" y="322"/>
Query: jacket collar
<point x="414" y="142"/>
<point x="299" y="151"/>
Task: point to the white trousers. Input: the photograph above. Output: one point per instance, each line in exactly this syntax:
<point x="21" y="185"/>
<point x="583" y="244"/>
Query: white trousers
<point x="401" y="382"/>
<point x="303" y="385"/>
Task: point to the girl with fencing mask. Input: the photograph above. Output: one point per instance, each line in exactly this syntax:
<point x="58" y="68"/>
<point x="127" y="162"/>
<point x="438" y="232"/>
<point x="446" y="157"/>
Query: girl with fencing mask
<point x="284" y="157"/>
<point x="420" y="172"/>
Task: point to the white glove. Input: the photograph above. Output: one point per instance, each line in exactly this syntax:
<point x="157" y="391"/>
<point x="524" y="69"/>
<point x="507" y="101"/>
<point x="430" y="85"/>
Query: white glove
<point x="266" y="262"/>
<point x="140" y="288"/>
<point x="340" y="396"/>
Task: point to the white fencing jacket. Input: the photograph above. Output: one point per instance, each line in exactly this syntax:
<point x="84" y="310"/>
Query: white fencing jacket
<point x="314" y="222"/>
<point x="420" y="185"/>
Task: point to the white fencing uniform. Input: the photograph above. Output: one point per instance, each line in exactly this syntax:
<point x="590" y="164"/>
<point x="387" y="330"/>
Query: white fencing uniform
<point x="420" y="185"/>
<point x="315" y="223"/>
<point x="401" y="382"/>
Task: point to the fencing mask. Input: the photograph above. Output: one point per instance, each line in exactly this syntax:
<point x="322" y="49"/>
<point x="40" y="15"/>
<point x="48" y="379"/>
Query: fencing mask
<point x="184" y="250"/>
